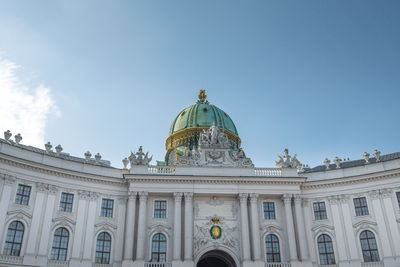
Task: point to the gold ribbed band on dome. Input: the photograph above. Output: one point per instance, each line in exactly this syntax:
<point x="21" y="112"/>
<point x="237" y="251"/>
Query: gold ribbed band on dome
<point x="186" y="135"/>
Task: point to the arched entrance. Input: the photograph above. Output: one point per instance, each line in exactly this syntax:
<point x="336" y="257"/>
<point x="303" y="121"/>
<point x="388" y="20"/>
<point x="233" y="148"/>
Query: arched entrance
<point x="216" y="258"/>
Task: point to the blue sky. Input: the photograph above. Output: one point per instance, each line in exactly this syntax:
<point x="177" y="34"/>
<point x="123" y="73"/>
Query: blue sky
<point x="319" y="77"/>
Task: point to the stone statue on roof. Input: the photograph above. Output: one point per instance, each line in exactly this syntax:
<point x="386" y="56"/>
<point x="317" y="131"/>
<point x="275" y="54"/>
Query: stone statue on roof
<point x="287" y="161"/>
<point x="140" y="158"/>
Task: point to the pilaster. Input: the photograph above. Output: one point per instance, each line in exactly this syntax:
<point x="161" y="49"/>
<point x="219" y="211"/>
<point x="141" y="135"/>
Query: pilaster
<point x="177" y="226"/>
<point x="255" y="227"/>
<point x="300" y="228"/>
<point x="287" y="201"/>
<point x="244" y="226"/>
<point x="188" y="257"/>
<point x="141" y="242"/>
<point x="130" y="226"/>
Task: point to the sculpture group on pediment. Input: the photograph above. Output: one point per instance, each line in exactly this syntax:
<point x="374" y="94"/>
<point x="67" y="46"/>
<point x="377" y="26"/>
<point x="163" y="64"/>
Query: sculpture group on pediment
<point x="214" y="150"/>
<point x="191" y="158"/>
<point x="287" y="161"/>
<point x="213" y="137"/>
<point x="140" y="158"/>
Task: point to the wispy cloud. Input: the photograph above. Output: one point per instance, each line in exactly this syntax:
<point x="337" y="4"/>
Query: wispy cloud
<point x="23" y="108"/>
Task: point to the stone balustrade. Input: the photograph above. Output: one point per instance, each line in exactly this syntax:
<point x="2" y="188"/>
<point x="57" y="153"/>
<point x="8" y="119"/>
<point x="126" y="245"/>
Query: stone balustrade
<point x="57" y="263"/>
<point x="373" y="264"/>
<point x="161" y="169"/>
<point x="277" y="264"/>
<point x="267" y="172"/>
<point x="101" y="265"/>
<point x="11" y="259"/>
<point x="157" y="264"/>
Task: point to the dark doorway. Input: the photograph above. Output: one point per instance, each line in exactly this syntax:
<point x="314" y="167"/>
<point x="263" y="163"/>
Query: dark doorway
<point x="216" y="258"/>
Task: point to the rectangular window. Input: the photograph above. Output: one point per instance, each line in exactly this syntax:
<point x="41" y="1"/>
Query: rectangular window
<point x="66" y="202"/>
<point x="320" y="211"/>
<point x="269" y="210"/>
<point x="398" y="198"/>
<point x="107" y="206"/>
<point x="23" y="193"/>
<point x="360" y="205"/>
<point x="160" y="209"/>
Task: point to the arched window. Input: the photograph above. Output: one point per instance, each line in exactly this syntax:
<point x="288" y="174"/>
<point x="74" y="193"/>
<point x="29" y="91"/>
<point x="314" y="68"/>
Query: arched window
<point x="14" y="237"/>
<point x="159" y="248"/>
<point x="272" y="248"/>
<point x="325" y="249"/>
<point x="103" y="248"/>
<point x="60" y="244"/>
<point x="368" y="246"/>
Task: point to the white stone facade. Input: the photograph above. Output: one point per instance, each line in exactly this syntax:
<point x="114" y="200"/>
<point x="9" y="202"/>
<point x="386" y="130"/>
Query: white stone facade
<point x="193" y="196"/>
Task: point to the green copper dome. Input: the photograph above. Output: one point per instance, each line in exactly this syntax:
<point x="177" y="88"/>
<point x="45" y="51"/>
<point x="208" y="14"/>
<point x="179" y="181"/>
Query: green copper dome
<point x="202" y="115"/>
<point x="190" y="122"/>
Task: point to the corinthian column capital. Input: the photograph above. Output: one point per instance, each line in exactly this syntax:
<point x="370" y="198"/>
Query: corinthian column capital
<point x="178" y="196"/>
<point x="253" y="198"/>
<point x="143" y="195"/>
<point x="188" y="196"/>
<point x="287" y="198"/>
<point x="243" y="197"/>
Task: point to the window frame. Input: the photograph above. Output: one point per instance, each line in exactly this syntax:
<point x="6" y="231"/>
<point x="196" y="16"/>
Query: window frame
<point x="159" y="253"/>
<point x="64" y="204"/>
<point x="21" y="196"/>
<point x="13" y="242"/>
<point x="154" y="209"/>
<point x="398" y="199"/>
<point x="362" y="208"/>
<point x="272" y="246"/>
<point x="100" y="260"/>
<point x="378" y="259"/>
<point x="264" y="212"/>
<point x="107" y="209"/>
<point x="59" y="247"/>
<point x="326" y="254"/>
<point x="319" y="211"/>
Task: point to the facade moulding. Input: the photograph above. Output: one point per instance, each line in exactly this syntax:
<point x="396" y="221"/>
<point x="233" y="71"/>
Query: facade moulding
<point x="350" y="180"/>
<point x="214" y="180"/>
<point x="49" y="170"/>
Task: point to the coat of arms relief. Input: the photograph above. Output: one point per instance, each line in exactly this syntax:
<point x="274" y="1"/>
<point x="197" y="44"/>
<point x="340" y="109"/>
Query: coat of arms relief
<point x="213" y="229"/>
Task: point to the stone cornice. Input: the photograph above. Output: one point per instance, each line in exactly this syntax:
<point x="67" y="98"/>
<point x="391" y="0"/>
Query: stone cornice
<point x="58" y="172"/>
<point x="137" y="178"/>
<point x="357" y="179"/>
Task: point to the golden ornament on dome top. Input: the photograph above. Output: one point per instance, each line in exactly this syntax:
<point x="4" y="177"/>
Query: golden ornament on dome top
<point x="202" y="96"/>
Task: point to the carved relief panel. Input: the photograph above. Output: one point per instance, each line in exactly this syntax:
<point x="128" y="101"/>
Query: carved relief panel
<point x="215" y="223"/>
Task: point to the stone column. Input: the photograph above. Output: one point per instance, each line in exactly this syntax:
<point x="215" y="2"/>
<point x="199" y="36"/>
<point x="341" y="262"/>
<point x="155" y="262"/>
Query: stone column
<point x="287" y="200"/>
<point x="245" y="226"/>
<point x="41" y="191"/>
<point x="141" y="242"/>
<point x="390" y="213"/>
<point x="349" y="230"/>
<point x="177" y="226"/>
<point x="120" y="216"/>
<point x="300" y="228"/>
<point x="46" y="226"/>
<point x="188" y="226"/>
<point x="5" y="200"/>
<point x="380" y="220"/>
<point x="90" y="221"/>
<point x="308" y="217"/>
<point x="80" y="223"/>
<point x="130" y="226"/>
<point x="255" y="227"/>
<point x="342" y="246"/>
